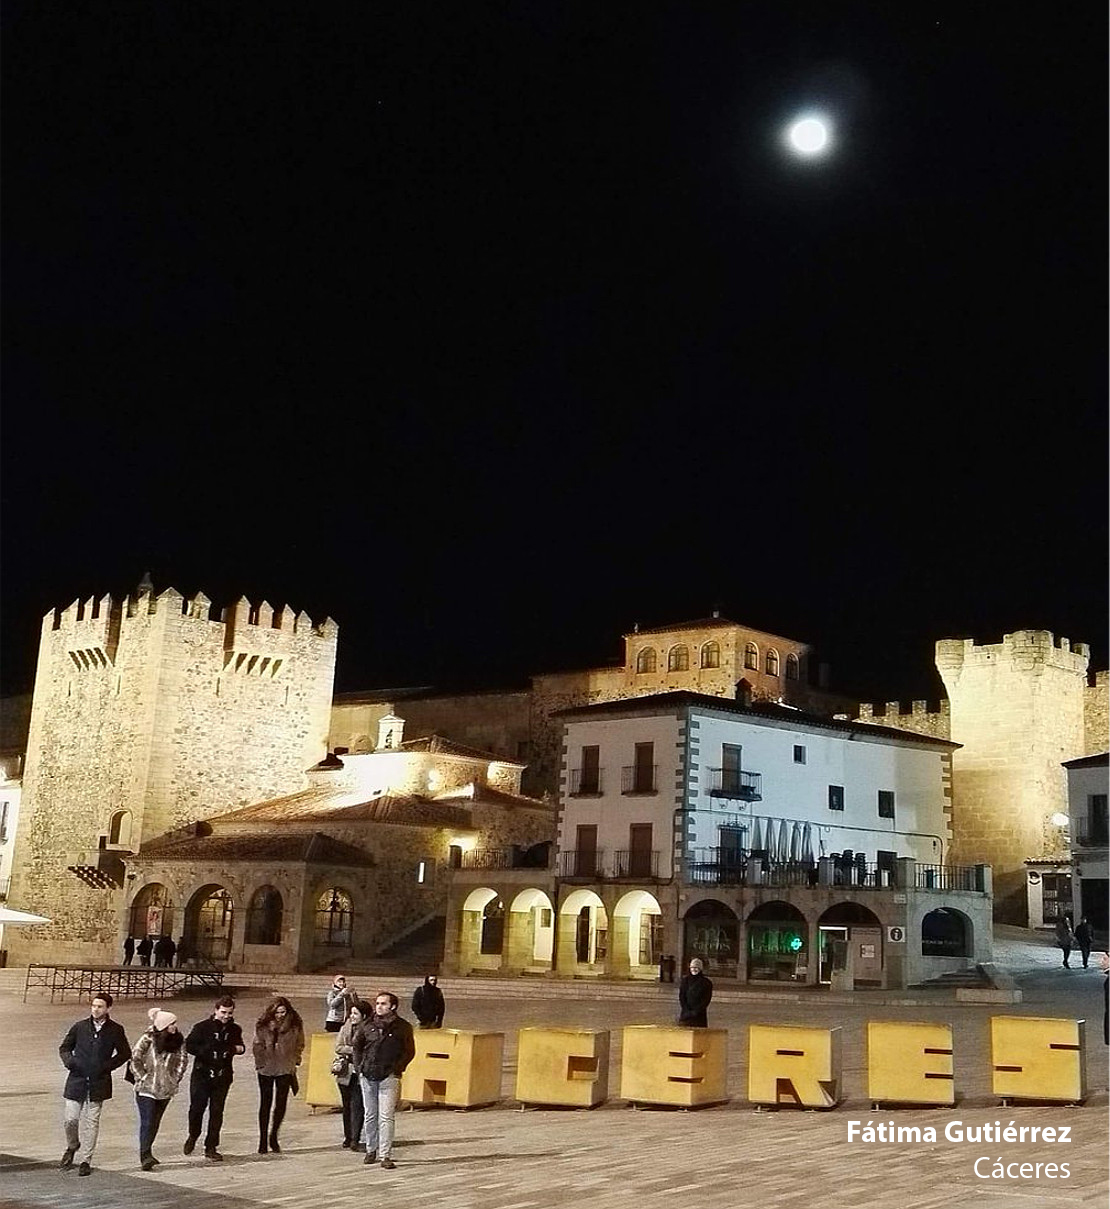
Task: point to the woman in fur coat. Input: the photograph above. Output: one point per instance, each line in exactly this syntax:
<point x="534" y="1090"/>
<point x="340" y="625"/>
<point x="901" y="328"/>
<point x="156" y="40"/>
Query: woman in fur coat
<point x="278" y="1045"/>
<point x="158" y="1063"/>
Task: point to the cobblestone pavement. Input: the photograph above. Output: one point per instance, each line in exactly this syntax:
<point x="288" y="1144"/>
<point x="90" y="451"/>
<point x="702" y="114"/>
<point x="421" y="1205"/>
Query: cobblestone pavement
<point x="613" y="1156"/>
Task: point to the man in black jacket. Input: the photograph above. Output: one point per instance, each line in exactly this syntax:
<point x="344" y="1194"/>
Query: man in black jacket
<point x="427" y="1003"/>
<point x="383" y="1046"/>
<point x="694" y="993"/>
<point x="90" y="1051"/>
<point x="213" y="1043"/>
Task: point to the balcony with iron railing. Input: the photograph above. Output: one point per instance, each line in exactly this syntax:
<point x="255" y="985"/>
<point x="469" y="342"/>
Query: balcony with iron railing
<point x="745" y="867"/>
<point x="585" y="863"/>
<point x="587" y="782"/>
<point x="1088" y="836"/>
<point x="536" y="857"/>
<point x="636" y="863"/>
<point x="736" y="783"/>
<point x="639" y="778"/>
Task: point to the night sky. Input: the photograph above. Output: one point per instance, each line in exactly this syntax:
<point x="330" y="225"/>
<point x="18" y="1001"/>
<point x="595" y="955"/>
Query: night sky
<point x="492" y="329"/>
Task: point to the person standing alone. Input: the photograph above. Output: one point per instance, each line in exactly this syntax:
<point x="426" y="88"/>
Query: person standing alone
<point x="383" y="1046"/>
<point x="214" y="1044"/>
<point x="1084" y="938"/>
<point x="90" y="1051"/>
<point x="694" y="993"/>
<point x="337" y="1001"/>
<point x="1065" y="938"/>
<point x="427" y="1003"/>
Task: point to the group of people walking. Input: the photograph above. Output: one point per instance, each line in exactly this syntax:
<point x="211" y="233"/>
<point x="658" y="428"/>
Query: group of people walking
<point x="374" y="1045"/>
<point x="1082" y="937"/>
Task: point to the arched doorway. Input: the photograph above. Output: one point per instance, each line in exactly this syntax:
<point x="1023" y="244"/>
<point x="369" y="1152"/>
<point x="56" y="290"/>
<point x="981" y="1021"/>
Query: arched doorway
<point x="711" y="931"/>
<point x="334" y="920"/>
<point x="637" y="935"/>
<point x="531" y="936"/>
<point x="208" y="921"/>
<point x="152" y="912"/>
<point x="863" y="930"/>
<point x="264" y="916"/>
<point x="481" y="929"/>
<point x="583" y="941"/>
<point x="946" y="932"/>
<point x="777" y="943"/>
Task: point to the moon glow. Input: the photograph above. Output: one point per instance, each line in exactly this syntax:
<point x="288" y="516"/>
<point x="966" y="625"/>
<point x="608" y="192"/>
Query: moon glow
<point x="809" y="136"/>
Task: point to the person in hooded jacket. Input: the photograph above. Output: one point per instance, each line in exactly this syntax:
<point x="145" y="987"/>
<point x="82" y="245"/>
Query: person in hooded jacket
<point x="278" y="1045"/>
<point x="158" y="1063"/>
<point x="428" y="1004"/>
<point x="214" y="1044"/>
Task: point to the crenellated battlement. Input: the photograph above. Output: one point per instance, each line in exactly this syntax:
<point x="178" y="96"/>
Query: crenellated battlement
<point x="95" y="624"/>
<point x="890" y="710"/>
<point x="1024" y="649"/>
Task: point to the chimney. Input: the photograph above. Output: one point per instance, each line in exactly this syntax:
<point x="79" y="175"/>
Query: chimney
<point x="390" y="731"/>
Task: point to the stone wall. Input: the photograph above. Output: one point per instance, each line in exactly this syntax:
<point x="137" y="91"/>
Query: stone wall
<point x="919" y="718"/>
<point x="1017" y="708"/>
<point x="146" y="705"/>
<point x="1096" y="715"/>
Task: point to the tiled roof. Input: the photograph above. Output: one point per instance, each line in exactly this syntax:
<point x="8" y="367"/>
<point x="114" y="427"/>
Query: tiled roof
<point x="704" y="623"/>
<point x="309" y="849"/>
<point x="438" y="745"/>
<point x="1097" y="761"/>
<point x="325" y="804"/>
<point x="486" y="795"/>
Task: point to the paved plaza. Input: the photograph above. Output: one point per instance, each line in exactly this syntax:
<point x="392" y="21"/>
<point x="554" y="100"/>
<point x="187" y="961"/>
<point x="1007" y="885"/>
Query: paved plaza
<point x="612" y="1156"/>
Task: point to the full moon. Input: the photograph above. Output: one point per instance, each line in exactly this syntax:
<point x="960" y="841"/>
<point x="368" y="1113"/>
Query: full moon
<point x="809" y="136"/>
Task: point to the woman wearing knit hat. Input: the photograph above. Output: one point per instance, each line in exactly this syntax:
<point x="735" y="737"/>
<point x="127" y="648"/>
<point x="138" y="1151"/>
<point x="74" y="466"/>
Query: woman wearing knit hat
<point x="158" y="1062"/>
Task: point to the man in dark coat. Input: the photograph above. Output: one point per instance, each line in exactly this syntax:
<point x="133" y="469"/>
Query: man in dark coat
<point x="214" y="1043"/>
<point x="428" y="1004"/>
<point x="90" y="1051"/>
<point x="382" y="1047"/>
<point x="162" y="951"/>
<point x="1084" y="938"/>
<point x="128" y="950"/>
<point x="694" y="993"/>
<point x="143" y="949"/>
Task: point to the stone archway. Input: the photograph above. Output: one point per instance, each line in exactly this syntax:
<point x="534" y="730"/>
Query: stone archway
<point x="530" y="940"/>
<point x="777" y="943"/>
<point x="711" y="931"/>
<point x="582" y="944"/>
<point x="152" y="912"/>
<point x="863" y="929"/>
<point x="946" y="932"/>
<point x="637" y="941"/>
<point x="481" y="930"/>
<point x="209" y="919"/>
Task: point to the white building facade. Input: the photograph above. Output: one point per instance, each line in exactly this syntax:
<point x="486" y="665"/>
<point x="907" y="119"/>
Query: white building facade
<point x="1088" y="780"/>
<point x="773" y="844"/>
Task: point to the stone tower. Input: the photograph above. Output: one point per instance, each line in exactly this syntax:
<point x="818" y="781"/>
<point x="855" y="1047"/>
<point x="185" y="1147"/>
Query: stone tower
<point x="149" y="715"/>
<point x="1018" y="710"/>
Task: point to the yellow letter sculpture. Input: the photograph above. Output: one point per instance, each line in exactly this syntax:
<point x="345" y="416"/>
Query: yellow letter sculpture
<point x="909" y="1063"/>
<point x="456" y="1067"/>
<point x="1038" y="1058"/>
<point x="682" y="1067"/>
<point x="788" y="1065"/>
<point x="563" y="1066"/>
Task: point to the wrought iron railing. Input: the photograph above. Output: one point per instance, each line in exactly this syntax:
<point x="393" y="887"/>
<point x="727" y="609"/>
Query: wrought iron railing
<point x="639" y="778"/>
<point x="949" y="877"/>
<point x="633" y="862"/>
<point x="586" y="782"/>
<point x="736" y="783"/>
<point x="587" y="862"/>
<point x="487" y="858"/>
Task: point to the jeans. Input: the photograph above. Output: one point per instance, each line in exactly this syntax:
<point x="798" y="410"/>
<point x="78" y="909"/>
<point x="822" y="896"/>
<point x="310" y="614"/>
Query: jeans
<point x="272" y="1089"/>
<point x="351" y="1094"/>
<point x="150" y="1117"/>
<point x="211" y="1094"/>
<point x="80" y="1113"/>
<point x="379" y="1106"/>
